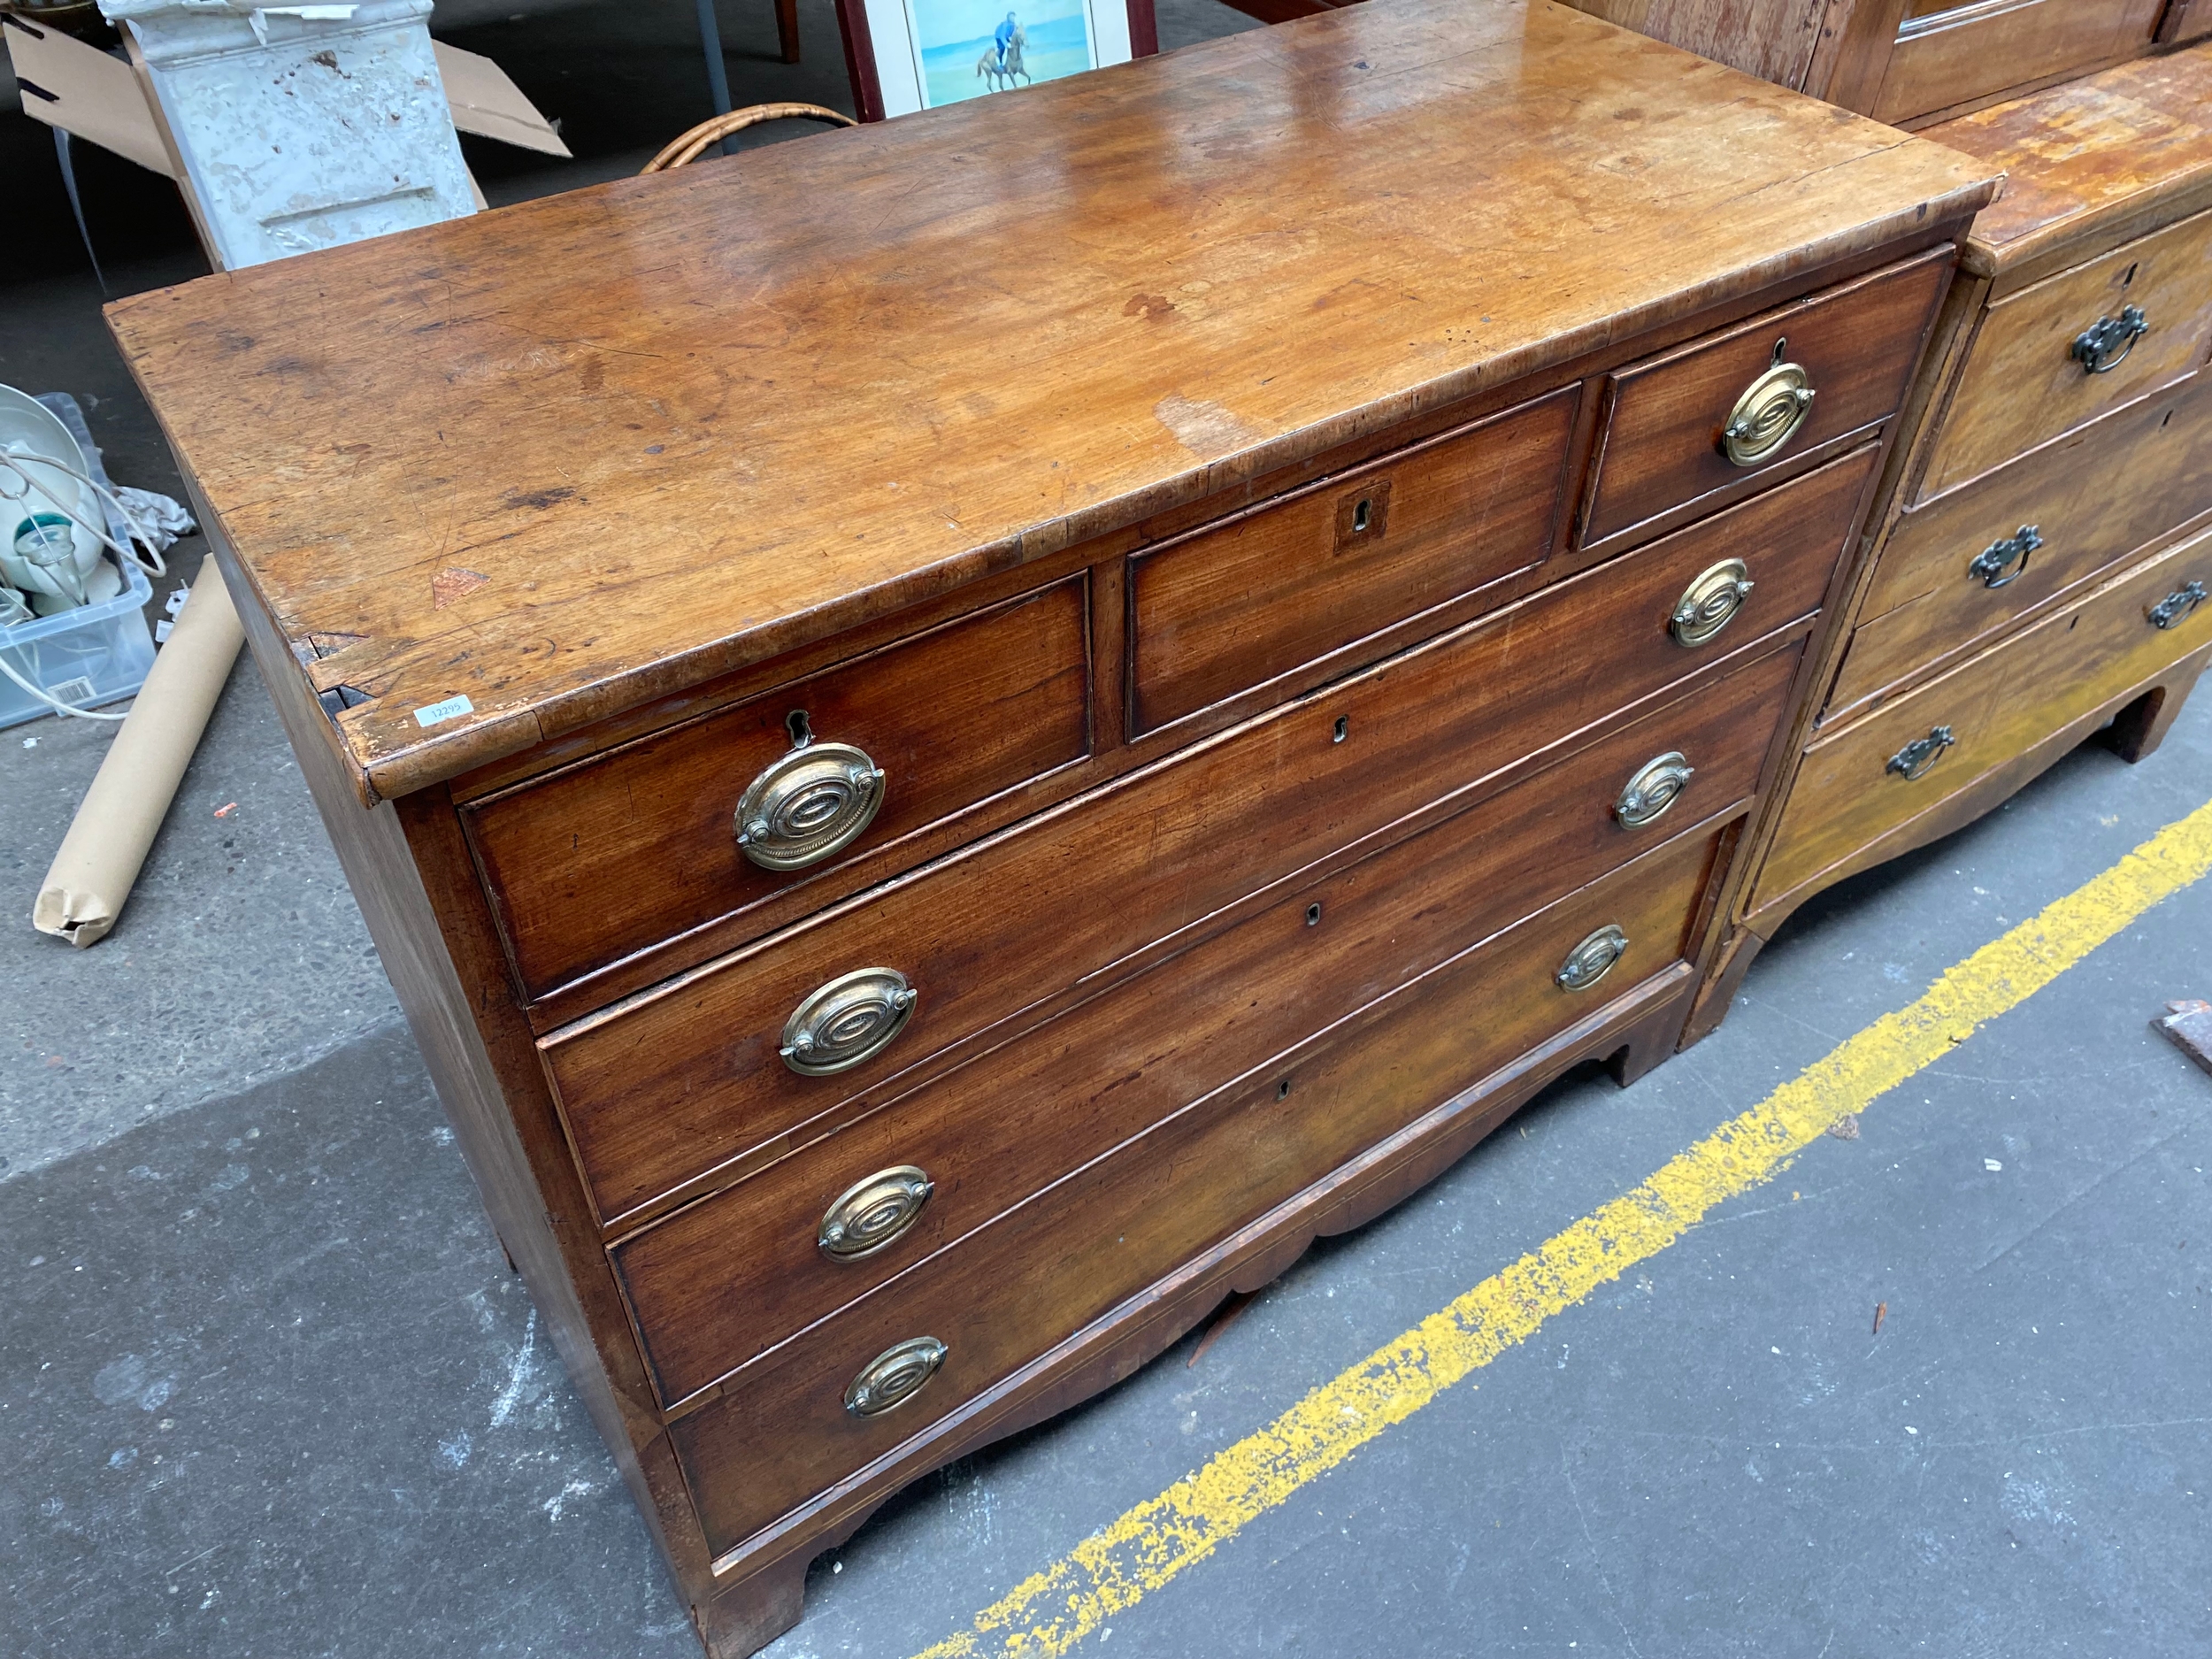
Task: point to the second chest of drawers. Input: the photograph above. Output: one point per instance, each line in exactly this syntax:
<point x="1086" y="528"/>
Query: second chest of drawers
<point x="2042" y="573"/>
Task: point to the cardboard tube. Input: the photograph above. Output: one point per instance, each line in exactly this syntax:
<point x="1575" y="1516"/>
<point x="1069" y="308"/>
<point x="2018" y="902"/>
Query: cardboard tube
<point x="109" y="838"/>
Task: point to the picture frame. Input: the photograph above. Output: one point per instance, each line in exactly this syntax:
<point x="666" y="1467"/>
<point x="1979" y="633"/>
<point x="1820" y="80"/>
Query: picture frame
<point x="904" y="55"/>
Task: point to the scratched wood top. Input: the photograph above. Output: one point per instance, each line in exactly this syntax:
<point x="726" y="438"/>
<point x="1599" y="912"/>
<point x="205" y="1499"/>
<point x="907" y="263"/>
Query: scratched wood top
<point x="571" y="455"/>
<point x="2129" y="143"/>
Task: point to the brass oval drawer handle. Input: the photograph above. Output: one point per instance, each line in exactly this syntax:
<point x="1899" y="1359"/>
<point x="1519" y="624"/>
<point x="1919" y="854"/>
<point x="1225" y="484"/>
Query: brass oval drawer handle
<point x="808" y="804"/>
<point x="1592" y="960"/>
<point x="874" y="1213"/>
<point x="894" y="1377"/>
<point x="2104" y="345"/>
<point x="1656" y="785"/>
<point x="1769" y="413"/>
<point x="2175" y="608"/>
<point x="2005" y="560"/>
<point x="1709" y="603"/>
<point x="1912" y="761"/>
<point x="847" y="1022"/>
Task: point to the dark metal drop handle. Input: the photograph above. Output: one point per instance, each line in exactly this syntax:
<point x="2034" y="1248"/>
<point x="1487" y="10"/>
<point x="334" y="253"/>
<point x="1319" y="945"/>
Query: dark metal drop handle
<point x="2004" y="561"/>
<point x="2104" y="345"/>
<point x="2175" y="608"/>
<point x="1911" y="763"/>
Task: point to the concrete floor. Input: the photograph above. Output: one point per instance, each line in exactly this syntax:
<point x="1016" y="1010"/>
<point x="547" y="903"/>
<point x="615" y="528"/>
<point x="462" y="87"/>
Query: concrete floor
<point x="267" y="1385"/>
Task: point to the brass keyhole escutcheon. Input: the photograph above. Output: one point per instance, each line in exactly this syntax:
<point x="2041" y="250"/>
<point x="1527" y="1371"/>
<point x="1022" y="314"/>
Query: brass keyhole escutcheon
<point x="1769" y="413"/>
<point x="1362" y="516"/>
<point x="1710" y="603"/>
<point x="1592" y="960"/>
<point x="875" y="1214"/>
<point x="847" y="1022"/>
<point x="1656" y="785"/>
<point x="1913" y="762"/>
<point x="894" y="1377"/>
<point x="809" y="804"/>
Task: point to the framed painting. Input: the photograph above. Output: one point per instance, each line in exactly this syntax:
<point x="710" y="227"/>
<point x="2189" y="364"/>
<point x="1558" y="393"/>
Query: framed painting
<point x="910" y="55"/>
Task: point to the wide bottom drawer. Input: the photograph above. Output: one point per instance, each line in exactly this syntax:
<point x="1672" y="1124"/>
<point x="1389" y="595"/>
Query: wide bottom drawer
<point x="1873" y="777"/>
<point x="934" y="1337"/>
<point x="719" y="1283"/>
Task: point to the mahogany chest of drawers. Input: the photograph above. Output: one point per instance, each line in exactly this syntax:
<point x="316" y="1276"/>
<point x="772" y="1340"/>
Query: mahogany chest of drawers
<point x="951" y="763"/>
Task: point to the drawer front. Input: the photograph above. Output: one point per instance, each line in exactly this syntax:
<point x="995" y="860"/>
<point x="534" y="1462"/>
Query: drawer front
<point x="1953" y="55"/>
<point x="641" y="844"/>
<point x="677" y="1083"/>
<point x="1227" y="608"/>
<point x="781" y="1433"/>
<point x="719" y="1283"/>
<point x="1663" y="444"/>
<point x="1967" y="563"/>
<point x="2024" y="383"/>
<point x="1858" y="785"/>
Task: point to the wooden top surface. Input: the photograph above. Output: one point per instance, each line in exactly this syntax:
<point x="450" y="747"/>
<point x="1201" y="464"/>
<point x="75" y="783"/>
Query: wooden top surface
<point x="2102" y="152"/>
<point x="573" y="455"/>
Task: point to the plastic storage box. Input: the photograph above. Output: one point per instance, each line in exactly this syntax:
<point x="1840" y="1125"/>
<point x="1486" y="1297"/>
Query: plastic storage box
<point x="92" y="655"/>
<point x="89" y="656"/>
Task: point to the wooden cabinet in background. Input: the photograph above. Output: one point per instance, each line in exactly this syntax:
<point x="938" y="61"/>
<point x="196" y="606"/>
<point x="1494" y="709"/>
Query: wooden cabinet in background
<point x="2183" y="21"/>
<point x="951" y="765"/>
<point x="1911" y="62"/>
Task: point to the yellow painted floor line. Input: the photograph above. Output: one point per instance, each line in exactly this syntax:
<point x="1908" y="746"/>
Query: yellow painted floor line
<point x="1117" y="1567"/>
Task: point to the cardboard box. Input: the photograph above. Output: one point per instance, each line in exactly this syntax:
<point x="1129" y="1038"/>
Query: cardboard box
<point x="106" y="101"/>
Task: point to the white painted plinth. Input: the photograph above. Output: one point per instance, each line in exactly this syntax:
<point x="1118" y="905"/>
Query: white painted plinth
<point x="304" y="127"/>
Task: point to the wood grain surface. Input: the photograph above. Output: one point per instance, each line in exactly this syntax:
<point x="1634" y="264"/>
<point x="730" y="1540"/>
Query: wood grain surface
<point x="2184" y="21"/>
<point x="1772" y="39"/>
<point x="1660" y="449"/>
<point x="719" y="1283"/>
<point x="2096" y="160"/>
<point x="1997" y="706"/>
<point x="671" y="1085"/>
<point x="1228" y="607"/>
<point x="780" y="1432"/>
<point x="685" y="422"/>
<point x="1946" y="58"/>
<point x="1834" y="50"/>
<point x="2022" y="386"/>
<point x="2095" y="495"/>
<point x="640" y="845"/>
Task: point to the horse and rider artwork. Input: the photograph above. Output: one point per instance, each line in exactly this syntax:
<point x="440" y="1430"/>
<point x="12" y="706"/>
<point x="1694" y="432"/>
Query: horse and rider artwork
<point x="1003" y="61"/>
<point x="968" y="48"/>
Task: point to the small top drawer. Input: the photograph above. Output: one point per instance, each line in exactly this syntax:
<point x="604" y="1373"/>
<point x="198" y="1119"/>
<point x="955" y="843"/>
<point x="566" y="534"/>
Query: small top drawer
<point x="641" y="843"/>
<point x="1231" y="606"/>
<point x="1667" y="438"/>
<point x="2073" y="346"/>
